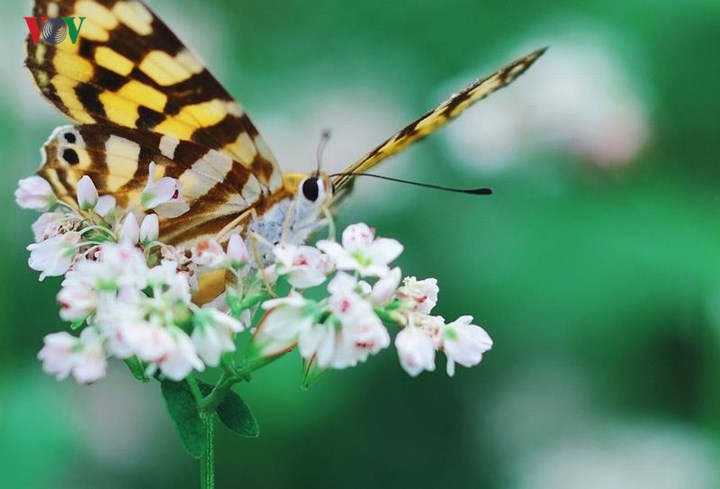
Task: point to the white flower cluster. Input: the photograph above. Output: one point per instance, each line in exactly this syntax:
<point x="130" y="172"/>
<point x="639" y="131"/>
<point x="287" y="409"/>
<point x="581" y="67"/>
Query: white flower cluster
<point x="364" y="294"/>
<point x="133" y="295"/>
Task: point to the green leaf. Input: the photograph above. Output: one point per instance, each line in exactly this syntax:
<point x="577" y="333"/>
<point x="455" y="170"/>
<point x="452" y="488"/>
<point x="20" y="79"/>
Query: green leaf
<point x="137" y="368"/>
<point x="184" y="412"/>
<point x="235" y="413"/>
<point x="237" y="416"/>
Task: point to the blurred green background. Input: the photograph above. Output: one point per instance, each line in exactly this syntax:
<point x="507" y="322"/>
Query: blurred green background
<point x="594" y="266"/>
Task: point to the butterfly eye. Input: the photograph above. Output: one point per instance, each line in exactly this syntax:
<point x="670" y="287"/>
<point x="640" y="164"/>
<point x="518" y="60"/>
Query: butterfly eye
<point x="311" y="188"/>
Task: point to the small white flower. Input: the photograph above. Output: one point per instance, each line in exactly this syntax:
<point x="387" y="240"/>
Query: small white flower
<point x="181" y="359"/>
<point x="84" y="357"/>
<point x="130" y="231"/>
<point x="419" y="295"/>
<point x="92" y="363"/>
<point x="35" y="193"/>
<point x="209" y="253"/>
<point x="464" y="343"/>
<point x="303" y="266"/>
<point x="361" y="251"/>
<point x="77" y="298"/>
<point x="416" y="350"/>
<point x="286" y="317"/>
<point x="165" y="195"/>
<point x="214" y="334"/>
<point x="50" y="224"/>
<point x="384" y="289"/>
<point x="360" y="333"/>
<point x="237" y="251"/>
<point x="58" y="354"/>
<point x="149" y="229"/>
<point x="87" y="194"/>
<point x="53" y="256"/>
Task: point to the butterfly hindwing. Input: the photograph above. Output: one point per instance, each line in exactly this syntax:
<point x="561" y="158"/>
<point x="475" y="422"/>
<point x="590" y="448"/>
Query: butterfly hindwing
<point x="117" y="160"/>
<point x="438" y="117"/>
<point x="129" y="69"/>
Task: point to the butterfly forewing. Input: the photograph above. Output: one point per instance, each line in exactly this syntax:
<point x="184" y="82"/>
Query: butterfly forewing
<point x="129" y="69"/>
<point x="438" y="117"/>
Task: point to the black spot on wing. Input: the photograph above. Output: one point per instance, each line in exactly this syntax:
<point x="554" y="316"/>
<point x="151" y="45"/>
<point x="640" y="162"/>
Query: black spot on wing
<point x="70" y="156"/>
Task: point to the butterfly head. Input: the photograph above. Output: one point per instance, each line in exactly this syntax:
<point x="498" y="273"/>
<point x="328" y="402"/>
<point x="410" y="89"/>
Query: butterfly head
<point x="312" y="190"/>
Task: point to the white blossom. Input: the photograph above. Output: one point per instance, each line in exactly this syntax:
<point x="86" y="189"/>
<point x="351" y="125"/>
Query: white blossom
<point x="35" y="193"/>
<point x="181" y="358"/>
<point x="214" y="334"/>
<point x="464" y="343"/>
<point x="83" y="357"/>
<point x="280" y="327"/>
<point x="302" y="266"/>
<point x="419" y="295"/>
<point x="209" y="253"/>
<point x="165" y="195"/>
<point x="416" y="350"/>
<point x="361" y="251"/>
<point x="384" y="289"/>
<point x="53" y="256"/>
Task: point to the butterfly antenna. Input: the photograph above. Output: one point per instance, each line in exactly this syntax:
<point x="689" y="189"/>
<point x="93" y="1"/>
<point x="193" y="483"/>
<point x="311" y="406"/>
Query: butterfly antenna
<point x="471" y="191"/>
<point x="324" y="138"/>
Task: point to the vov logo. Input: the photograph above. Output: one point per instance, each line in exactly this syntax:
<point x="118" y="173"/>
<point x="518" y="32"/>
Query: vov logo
<point x="54" y="30"/>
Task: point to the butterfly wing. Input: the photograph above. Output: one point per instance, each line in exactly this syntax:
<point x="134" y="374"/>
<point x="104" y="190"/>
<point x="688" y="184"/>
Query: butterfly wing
<point x="438" y="117"/>
<point x="129" y="69"/>
<point x="117" y="160"/>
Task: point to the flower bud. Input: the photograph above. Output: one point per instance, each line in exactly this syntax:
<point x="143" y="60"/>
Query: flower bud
<point x="237" y="251"/>
<point x="34" y="193"/>
<point x="149" y="229"/>
<point x="87" y="194"/>
<point x="130" y="232"/>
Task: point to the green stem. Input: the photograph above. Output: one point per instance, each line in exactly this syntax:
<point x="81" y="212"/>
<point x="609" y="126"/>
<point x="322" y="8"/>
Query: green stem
<point x="228" y="379"/>
<point x="207" y="461"/>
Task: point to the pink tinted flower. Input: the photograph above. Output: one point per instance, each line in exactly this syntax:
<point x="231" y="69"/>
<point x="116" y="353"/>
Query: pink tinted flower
<point x="419" y="295"/>
<point x="361" y="251"/>
<point x="35" y="193"/>
<point x="53" y="256"/>
<point x="50" y="224"/>
<point x="416" y="350"/>
<point x="237" y="251"/>
<point x="209" y="253"/>
<point x="303" y="266"/>
<point x="77" y="298"/>
<point x="359" y="333"/>
<point x="385" y="288"/>
<point x="84" y="357"/>
<point x="464" y="343"/>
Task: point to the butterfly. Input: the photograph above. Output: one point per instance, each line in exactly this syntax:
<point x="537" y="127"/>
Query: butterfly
<point x="139" y="96"/>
